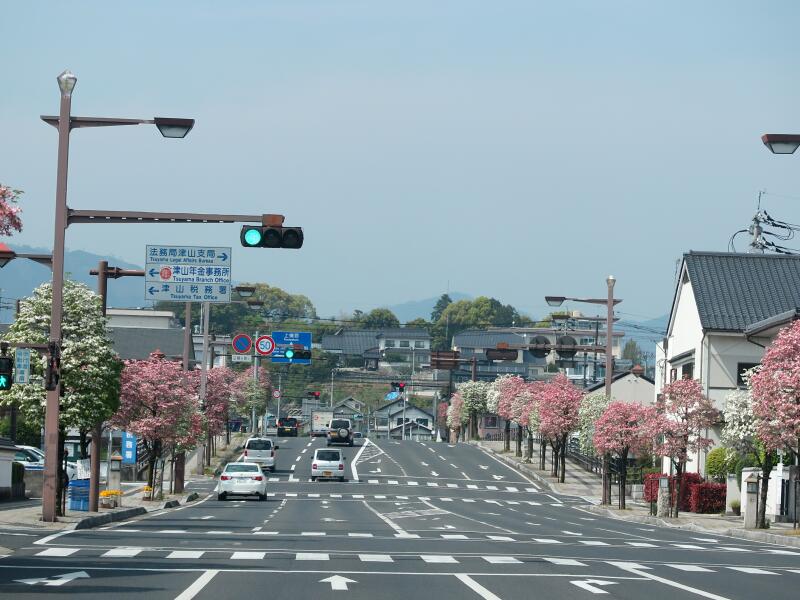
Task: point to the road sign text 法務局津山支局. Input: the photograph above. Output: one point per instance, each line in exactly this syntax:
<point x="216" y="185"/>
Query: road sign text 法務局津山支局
<point x="188" y="273"/>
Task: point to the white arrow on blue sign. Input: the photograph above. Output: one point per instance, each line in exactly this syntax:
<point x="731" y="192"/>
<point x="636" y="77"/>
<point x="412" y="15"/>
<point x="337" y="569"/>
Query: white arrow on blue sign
<point x="188" y="273"/>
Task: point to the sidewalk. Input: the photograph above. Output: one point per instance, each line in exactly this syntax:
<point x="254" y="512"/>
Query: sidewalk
<point x="28" y="514"/>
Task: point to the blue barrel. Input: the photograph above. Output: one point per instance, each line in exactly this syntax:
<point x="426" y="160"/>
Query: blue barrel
<point x="78" y="494"/>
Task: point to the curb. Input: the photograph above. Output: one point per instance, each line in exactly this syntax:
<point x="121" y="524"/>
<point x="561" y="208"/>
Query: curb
<point x="745" y="534"/>
<point x="515" y="465"/>
<point x="110" y="517"/>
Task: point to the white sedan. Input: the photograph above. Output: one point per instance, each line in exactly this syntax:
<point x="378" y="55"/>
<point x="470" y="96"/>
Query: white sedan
<point x="242" y="479"/>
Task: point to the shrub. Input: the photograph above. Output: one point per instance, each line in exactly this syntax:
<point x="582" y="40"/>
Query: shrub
<point x="736" y="504"/>
<point x="707" y="497"/>
<point x="651" y="488"/>
<point x="718" y="464"/>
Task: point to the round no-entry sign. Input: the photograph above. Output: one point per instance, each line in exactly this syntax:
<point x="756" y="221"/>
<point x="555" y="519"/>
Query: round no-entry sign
<point x="276" y="394"/>
<point x="265" y="345"/>
<point x="242" y="343"/>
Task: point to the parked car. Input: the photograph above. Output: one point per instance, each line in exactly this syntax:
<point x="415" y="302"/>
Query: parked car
<point x="288" y="426"/>
<point x="340" y="431"/>
<point x="260" y="450"/>
<point x="242" y="479"/>
<point x="328" y="464"/>
<point x="33" y="459"/>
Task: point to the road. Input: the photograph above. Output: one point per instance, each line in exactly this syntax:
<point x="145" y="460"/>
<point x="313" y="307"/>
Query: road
<point x="414" y="520"/>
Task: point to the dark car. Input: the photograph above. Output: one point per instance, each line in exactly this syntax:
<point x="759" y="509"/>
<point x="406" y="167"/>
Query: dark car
<point x="288" y="426"/>
<point x="340" y="431"/>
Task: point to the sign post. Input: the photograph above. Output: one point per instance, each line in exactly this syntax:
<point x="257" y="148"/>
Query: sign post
<point x="188" y="273"/>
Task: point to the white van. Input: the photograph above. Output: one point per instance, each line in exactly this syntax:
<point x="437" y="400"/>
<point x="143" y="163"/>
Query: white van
<point x="260" y="450"/>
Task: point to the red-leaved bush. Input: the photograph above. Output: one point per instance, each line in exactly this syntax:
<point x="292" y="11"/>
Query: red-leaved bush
<point x="707" y="497"/>
<point x="690" y="479"/>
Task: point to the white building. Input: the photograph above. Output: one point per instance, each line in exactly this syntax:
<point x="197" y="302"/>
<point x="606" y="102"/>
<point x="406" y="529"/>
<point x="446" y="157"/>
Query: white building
<point x="726" y="309"/>
<point x="140" y="317"/>
<point x="631" y="386"/>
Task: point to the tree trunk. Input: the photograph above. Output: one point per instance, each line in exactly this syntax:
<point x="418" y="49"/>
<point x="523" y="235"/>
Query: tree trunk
<point x="542" y="454"/>
<point x="677" y="489"/>
<point x="519" y="441"/>
<point x="84" y="443"/>
<point x="507" y="437"/>
<point x="766" y="469"/>
<point x="623" y="477"/>
<point x="563" y="458"/>
<point x="529" y="453"/>
<point x="554" y="459"/>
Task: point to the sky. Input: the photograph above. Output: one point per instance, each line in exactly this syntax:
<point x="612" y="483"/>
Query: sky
<point x="507" y="148"/>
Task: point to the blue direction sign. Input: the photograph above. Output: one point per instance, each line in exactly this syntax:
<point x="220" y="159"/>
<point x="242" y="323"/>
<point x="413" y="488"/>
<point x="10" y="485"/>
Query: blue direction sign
<point x="188" y="273"/>
<point x="288" y="340"/>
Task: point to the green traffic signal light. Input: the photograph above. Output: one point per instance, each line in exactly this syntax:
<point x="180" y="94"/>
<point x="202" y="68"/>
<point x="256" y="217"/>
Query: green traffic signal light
<point x="251" y="236"/>
<point x="6" y="373"/>
<point x="289" y="353"/>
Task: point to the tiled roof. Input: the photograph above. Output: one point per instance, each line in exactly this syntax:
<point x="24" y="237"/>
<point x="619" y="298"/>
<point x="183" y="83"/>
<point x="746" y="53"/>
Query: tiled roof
<point x="734" y="290"/>
<point x="351" y="341"/>
<point x="482" y="338"/>
<point x="405" y="333"/>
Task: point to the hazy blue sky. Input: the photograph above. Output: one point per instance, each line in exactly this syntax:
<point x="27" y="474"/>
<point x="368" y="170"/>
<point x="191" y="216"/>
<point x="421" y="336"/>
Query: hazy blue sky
<point x="514" y="149"/>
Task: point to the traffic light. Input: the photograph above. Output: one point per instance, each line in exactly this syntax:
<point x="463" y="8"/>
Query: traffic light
<point x="297" y="354"/>
<point x="540" y="346"/>
<point x="314" y="394"/>
<point x="6" y="373"/>
<point x="271" y="236"/>
<point x="401" y="387"/>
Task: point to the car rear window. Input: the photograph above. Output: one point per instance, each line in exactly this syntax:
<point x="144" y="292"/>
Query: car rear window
<point x="327" y="455"/>
<point x="234" y="468"/>
<point x="288" y="422"/>
<point x="259" y="445"/>
<point x="339" y="424"/>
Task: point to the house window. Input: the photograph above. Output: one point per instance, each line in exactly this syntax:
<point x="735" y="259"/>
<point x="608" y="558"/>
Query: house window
<point x="490" y="422"/>
<point x="587" y="341"/>
<point x="390" y="343"/>
<point x="404" y="344"/>
<point x="383" y="421"/>
<point x="687" y="371"/>
<point x="423" y="422"/>
<point x="740" y="370"/>
<point x="673" y="375"/>
<point x="419" y="344"/>
<point x="399" y="421"/>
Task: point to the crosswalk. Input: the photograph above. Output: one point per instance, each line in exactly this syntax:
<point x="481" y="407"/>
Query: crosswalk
<point x="531" y="488"/>
<point x="429" y="558"/>
<point x="393" y="497"/>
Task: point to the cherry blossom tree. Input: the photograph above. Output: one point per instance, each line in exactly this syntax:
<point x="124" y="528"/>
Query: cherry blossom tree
<point x="622" y="429"/>
<point x="473" y="394"/>
<point x="687" y="414"/>
<point x="224" y="387"/>
<point x="493" y="405"/>
<point x="559" y="405"/>
<point x="159" y="404"/>
<point x="740" y="436"/>
<point x="9" y="213"/>
<point x="592" y="408"/>
<point x="511" y="401"/>
<point x="776" y="393"/>
<point x="456" y="415"/>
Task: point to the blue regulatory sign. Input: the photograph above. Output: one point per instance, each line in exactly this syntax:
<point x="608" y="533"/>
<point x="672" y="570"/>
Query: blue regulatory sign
<point x="287" y="339"/>
<point x="128" y="448"/>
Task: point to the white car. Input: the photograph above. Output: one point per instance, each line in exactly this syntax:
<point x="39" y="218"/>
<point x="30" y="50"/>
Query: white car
<point x="260" y="450"/>
<point x="328" y="463"/>
<point x="33" y="460"/>
<point x="242" y="479"/>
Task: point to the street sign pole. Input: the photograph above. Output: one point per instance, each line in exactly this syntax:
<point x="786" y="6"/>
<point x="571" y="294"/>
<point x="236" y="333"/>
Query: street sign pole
<point x="203" y="381"/>
<point x="255" y="391"/>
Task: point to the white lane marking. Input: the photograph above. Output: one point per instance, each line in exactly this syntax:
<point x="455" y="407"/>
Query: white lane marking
<point x="218" y="532"/>
<point x="454" y="536"/>
<point x="358" y="496"/>
<point x="570" y="532"/>
<point x="58" y="552"/>
<point x="438" y="558"/>
<point x="308" y="445"/>
<point x="311" y="556"/>
<point x="691" y="568"/>
<point x="593" y="543"/>
<point x="198" y="585"/>
<point x="472" y="486"/>
<point x="502" y="560"/>
<point x="500" y="538"/>
<point x="688" y="546"/>
<point x="546" y="541"/>
<point x="680" y="586"/>
<point x="773" y="551"/>
<point x="291" y="495"/>
<point x="292" y="467"/>
<point x="751" y="570"/>
<point x="452" y="485"/>
<point x="313" y="533"/>
<point x="467" y="500"/>
<point x="313" y="495"/>
<point x="433" y="484"/>
<point x="628" y="565"/>
<point x="354" y="463"/>
<point x="185" y="554"/>
<point x="466" y="476"/>
<point x="434" y="474"/>
<point x="127" y="552"/>
<point x="705" y="539"/>
<point x="446" y="499"/>
<point x="372" y="481"/>
<point x="360" y="535"/>
<point x="491" y="487"/>
<point x="511" y="488"/>
<point x="412" y="482"/>
<point x="304" y="450"/>
<point x="46" y="540"/>
<point x="476" y="587"/>
<point x="641" y="545"/>
<point x="733" y="549"/>
<point x="248" y="555"/>
<point x="298" y="459"/>
<point x="564" y="561"/>
<point x="375" y="558"/>
<point x="392" y="482"/>
<point x="399" y="530"/>
<point x="532" y="489"/>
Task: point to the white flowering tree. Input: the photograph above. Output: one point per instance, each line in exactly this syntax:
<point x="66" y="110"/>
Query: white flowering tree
<point x="90" y="370"/>
<point x="493" y="396"/>
<point x="740" y="437"/>
<point x="474" y="394"/>
<point x="592" y="408"/>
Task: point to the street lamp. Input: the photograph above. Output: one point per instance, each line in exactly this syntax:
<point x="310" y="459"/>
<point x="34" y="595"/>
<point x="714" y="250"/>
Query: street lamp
<point x="245" y="291"/>
<point x="781" y="143"/>
<point x="65" y="122"/>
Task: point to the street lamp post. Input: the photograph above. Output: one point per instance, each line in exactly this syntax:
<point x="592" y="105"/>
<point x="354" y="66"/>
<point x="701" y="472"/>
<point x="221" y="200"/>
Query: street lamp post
<point x="609" y="302"/>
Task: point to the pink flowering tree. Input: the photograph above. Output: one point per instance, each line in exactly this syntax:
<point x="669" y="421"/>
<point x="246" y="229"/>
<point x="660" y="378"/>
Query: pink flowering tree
<point x="159" y="404"/>
<point x="686" y="416"/>
<point x="511" y="401"/>
<point x="9" y="212"/>
<point x="254" y="391"/>
<point x="623" y="429"/>
<point x="224" y="388"/>
<point x="456" y="416"/>
<point x="559" y="404"/>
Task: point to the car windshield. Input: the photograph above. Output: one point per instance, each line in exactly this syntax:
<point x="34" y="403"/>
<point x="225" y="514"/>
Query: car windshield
<point x="234" y="468"/>
<point x="259" y="445"/>
<point x="327" y="455"/>
<point x="340" y="424"/>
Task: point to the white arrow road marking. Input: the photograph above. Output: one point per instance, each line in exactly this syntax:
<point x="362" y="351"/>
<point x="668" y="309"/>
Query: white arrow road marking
<point x="476" y="587"/>
<point x="198" y="585"/>
<point x="484" y="467"/>
<point x="589" y="585"/>
<point x="424" y="464"/>
<point x="57" y="580"/>
<point x="338" y="582"/>
<point x="434" y="474"/>
<point x="330" y="520"/>
<point x="498" y="477"/>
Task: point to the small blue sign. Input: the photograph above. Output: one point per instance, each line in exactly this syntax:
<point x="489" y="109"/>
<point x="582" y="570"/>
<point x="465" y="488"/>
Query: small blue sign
<point x="288" y="339"/>
<point x="392" y="396"/>
<point x="128" y="448"/>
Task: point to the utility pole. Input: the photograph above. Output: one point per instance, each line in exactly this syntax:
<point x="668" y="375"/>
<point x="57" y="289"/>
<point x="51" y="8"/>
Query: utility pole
<point x="255" y="391"/>
<point x="180" y="459"/>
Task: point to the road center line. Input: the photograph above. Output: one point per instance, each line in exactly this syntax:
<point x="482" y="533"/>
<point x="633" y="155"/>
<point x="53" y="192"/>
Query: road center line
<point x="476" y="587"/>
<point x="354" y="464"/>
<point x="198" y="585"/>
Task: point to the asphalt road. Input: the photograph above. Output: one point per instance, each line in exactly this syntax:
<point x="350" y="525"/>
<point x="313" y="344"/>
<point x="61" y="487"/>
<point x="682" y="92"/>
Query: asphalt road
<point x="414" y="520"/>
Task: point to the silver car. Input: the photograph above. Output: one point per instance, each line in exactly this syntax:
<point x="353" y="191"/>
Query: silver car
<point x="328" y="464"/>
<point x="260" y="450"/>
<point x="242" y="479"/>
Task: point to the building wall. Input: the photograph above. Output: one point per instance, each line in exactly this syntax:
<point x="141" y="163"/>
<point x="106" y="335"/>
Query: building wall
<point x="633" y="390"/>
<point x="156" y="319"/>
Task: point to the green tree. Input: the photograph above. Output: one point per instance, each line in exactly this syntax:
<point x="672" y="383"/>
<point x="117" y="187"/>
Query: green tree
<point x="441" y="304"/>
<point x="418" y="323"/>
<point x="479" y="313"/>
<point x="380" y="318"/>
<point x="632" y="352"/>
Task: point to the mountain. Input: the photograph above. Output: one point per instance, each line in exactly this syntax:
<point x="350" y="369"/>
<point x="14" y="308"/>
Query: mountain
<point x="416" y="309"/>
<point x="20" y="277"/>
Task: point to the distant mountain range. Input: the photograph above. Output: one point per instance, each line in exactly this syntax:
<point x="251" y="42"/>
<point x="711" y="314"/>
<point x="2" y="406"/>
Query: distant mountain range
<point x="416" y="309"/>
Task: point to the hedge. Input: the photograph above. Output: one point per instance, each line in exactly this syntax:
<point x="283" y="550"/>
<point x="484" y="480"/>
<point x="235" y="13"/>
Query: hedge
<point x="707" y="497"/>
<point x="651" y="488"/>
